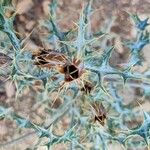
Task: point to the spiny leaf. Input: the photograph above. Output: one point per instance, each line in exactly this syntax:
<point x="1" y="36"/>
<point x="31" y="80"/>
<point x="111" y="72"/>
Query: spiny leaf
<point x="140" y="24"/>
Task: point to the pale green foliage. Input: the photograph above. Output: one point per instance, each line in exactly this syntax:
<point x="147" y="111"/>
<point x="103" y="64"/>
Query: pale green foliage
<point x="74" y="44"/>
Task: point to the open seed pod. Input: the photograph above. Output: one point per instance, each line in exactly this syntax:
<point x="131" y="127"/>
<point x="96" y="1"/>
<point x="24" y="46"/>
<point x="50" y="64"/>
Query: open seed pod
<point x="52" y="59"/>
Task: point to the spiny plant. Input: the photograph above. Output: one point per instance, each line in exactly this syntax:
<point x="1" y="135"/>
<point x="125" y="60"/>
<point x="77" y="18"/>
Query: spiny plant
<point x="74" y="72"/>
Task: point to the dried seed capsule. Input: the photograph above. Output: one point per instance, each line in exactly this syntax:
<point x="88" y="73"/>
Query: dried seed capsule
<point x="99" y="112"/>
